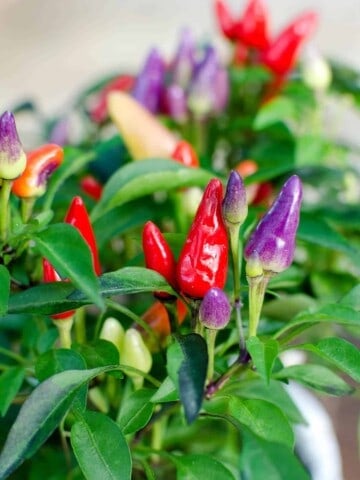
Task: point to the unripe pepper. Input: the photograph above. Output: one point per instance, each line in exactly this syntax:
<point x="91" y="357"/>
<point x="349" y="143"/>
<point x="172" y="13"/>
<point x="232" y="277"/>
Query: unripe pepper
<point x="77" y="216"/>
<point x="158" y="255"/>
<point x="282" y="53"/>
<point x="40" y="164"/>
<point x="204" y="258"/>
<point x="12" y="155"/>
<point x="134" y="353"/>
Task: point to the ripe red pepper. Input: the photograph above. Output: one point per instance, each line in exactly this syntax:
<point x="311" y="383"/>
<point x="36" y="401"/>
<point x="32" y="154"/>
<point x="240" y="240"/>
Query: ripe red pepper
<point x="185" y="154"/>
<point x="91" y="187"/>
<point x="158" y="255"/>
<point x="78" y="217"/>
<point x="282" y="53"/>
<point x="204" y="258"/>
<point x="226" y="20"/>
<point x="51" y="275"/>
<point x="253" y="26"/>
<point x="40" y="163"/>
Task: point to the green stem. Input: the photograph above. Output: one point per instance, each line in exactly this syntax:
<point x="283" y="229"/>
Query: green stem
<point x="64" y="327"/>
<point x="79" y="325"/>
<point x="257" y="288"/>
<point x="13" y="355"/>
<point x="4" y="208"/>
<point x="210" y="339"/>
<point x="27" y="205"/>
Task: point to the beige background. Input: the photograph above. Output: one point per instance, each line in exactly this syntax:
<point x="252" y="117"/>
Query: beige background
<point x="51" y="48"/>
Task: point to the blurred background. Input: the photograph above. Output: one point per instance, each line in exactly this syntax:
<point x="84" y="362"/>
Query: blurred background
<point x="50" y="50"/>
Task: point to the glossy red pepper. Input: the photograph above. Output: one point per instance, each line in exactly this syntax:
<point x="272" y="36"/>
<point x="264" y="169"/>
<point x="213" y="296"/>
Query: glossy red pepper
<point x="40" y="163"/>
<point x="282" y="53"/>
<point x="253" y="26"/>
<point x="51" y="275"/>
<point x="123" y="83"/>
<point x="91" y="187"/>
<point x="185" y="154"/>
<point x="77" y="216"/>
<point x="225" y="19"/>
<point x="204" y="258"/>
<point x="158" y="255"/>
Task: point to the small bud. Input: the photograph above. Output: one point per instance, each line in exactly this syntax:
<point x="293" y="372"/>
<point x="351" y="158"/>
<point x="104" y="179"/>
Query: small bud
<point x="274" y="237"/>
<point x="134" y="353"/>
<point x="12" y="155"/>
<point x="234" y="205"/>
<point x="113" y="332"/>
<point x="215" y="310"/>
<point x="316" y="71"/>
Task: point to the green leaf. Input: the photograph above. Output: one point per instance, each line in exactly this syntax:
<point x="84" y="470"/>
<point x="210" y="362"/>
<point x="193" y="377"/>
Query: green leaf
<point x="280" y="109"/>
<point x="10" y="383"/>
<point x="138" y="179"/>
<point x="263" y="418"/>
<point x="341" y="353"/>
<point x="40" y="415"/>
<point x="260" y="459"/>
<point x="331" y="313"/>
<point x="274" y="392"/>
<point x="167" y="392"/>
<point x="136" y="411"/>
<point x="263" y="355"/>
<point x="98" y="354"/>
<point x="56" y="361"/>
<point x="61" y="296"/>
<point x="198" y="467"/>
<point x="5" y="289"/>
<point x="317" y="377"/>
<point x="315" y="230"/>
<point x="352" y="299"/>
<point x="67" y="251"/>
<point x="100" y="448"/>
<point x="192" y="373"/>
<point x="310" y="150"/>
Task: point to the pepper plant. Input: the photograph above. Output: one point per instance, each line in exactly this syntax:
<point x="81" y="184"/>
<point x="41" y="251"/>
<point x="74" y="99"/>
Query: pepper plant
<point x="158" y="270"/>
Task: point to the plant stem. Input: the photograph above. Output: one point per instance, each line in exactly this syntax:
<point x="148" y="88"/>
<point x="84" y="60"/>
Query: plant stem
<point x="4" y="208"/>
<point x="13" y="355"/>
<point x="79" y="324"/>
<point x="257" y="288"/>
<point x="27" y="205"/>
<point x="210" y="339"/>
<point x="64" y="327"/>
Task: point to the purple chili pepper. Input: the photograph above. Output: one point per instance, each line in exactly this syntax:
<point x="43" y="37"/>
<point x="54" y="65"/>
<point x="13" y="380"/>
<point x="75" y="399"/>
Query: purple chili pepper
<point x="234" y="205"/>
<point x="174" y="102"/>
<point x="272" y="243"/>
<point x="12" y="155"/>
<point x="149" y="82"/>
<point x="215" y="310"/>
<point x="182" y="67"/>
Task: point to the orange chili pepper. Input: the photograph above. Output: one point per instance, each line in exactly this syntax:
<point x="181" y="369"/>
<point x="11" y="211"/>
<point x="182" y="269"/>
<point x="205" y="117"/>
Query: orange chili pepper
<point x="157" y="317"/>
<point x="40" y="164"/>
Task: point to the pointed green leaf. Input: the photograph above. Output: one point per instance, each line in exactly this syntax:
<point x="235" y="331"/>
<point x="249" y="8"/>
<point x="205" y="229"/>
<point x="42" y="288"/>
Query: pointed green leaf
<point x="138" y="179"/>
<point x="98" y="353"/>
<point x="341" y="353"/>
<point x="10" y="383"/>
<point x="100" y="448"/>
<point x="61" y="296"/>
<point x="5" y="289"/>
<point x="198" y="467"/>
<point x="280" y="109"/>
<point x="263" y="418"/>
<point x="317" y="377"/>
<point x="67" y="251"/>
<point x="277" y="461"/>
<point x="56" y="361"/>
<point x="40" y="415"/>
<point x="136" y="411"/>
<point x="167" y="392"/>
<point x="263" y="355"/>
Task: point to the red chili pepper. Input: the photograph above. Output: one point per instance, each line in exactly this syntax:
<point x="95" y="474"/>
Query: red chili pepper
<point x="158" y="255"/>
<point x="204" y="258"/>
<point x="78" y="217"/>
<point x="51" y="275"/>
<point x="226" y="20"/>
<point x="185" y="154"/>
<point x="264" y="194"/>
<point x="282" y="53"/>
<point x="40" y="164"/>
<point x="123" y="83"/>
<point x="91" y="187"/>
<point x="253" y="26"/>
